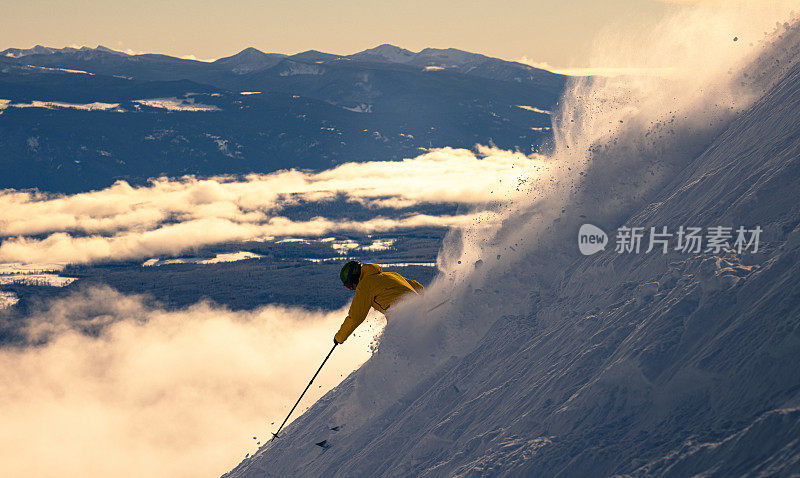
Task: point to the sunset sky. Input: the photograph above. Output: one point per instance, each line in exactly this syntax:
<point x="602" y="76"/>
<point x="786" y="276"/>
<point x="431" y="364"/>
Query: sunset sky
<point x="556" y="33"/>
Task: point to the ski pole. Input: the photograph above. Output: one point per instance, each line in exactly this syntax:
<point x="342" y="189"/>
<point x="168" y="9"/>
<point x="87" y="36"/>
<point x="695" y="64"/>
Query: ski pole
<point x="275" y="435"/>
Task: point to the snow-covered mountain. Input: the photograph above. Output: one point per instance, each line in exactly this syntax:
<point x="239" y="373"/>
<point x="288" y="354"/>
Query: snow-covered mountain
<point x="528" y="359"/>
<point x="452" y="59"/>
<point x="443" y="57"/>
<point x="385" y="52"/>
<point x="249" y="60"/>
<point x="81" y="119"/>
<point x="43" y="50"/>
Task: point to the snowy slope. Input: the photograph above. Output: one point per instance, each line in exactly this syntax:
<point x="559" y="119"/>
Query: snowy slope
<point x="542" y="362"/>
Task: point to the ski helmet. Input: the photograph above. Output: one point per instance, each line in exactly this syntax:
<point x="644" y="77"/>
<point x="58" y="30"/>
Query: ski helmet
<point x="350" y="273"/>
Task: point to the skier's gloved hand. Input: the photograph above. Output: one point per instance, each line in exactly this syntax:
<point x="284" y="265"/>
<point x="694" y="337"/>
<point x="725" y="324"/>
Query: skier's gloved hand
<point x="336" y="341"/>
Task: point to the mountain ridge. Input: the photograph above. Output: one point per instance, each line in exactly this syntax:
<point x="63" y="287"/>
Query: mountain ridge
<point x="325" y="110"/>
<point x="384" y="52"/>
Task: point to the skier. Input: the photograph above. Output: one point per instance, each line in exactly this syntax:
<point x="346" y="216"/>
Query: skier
<point x="374" y="288"/>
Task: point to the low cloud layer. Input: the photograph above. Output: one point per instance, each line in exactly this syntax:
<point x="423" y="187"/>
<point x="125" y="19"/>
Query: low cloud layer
<point x="122" y="388"/>
<point x="172" y="239"/>
<point x="172" y="215"/>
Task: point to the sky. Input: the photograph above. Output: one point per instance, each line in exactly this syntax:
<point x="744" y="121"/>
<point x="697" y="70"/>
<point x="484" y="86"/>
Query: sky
<point x="557" y="33"/>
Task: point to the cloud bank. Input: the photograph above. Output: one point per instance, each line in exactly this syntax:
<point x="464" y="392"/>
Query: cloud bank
<point x="120" y="387"/>
<point x="173" y="215"/>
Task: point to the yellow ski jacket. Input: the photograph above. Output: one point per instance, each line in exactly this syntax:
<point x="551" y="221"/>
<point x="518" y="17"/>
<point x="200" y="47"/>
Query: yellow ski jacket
<point x="376" y="289"/>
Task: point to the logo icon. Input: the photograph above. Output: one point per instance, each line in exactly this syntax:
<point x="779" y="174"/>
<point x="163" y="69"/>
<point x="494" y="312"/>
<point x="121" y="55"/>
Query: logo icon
<point x="591" y="239"/>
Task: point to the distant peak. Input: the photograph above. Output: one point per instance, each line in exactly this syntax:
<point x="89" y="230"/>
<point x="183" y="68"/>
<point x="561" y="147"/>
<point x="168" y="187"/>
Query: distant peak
<point x="387" y="52"/>
<point x="446" y="50"/>
<point x="388" y="46"/>
<point x="251" y="50"/>
<point x="314" y="55"/>
<point x="248" y="60"/>
<point x="248" y="54"/>
<point x="36" y="50"/>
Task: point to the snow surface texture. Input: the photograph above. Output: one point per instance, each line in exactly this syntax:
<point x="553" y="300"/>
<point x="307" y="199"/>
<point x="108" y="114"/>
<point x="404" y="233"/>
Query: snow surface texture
<point x="526" y="359"/>
<point x="177" y="104"/>
<point x="32" y="274"/>
<point x="223" y="257"/>
<point x="96" y="106"/>
<point x="51" y="280"/>
<point x="534" y="109"/>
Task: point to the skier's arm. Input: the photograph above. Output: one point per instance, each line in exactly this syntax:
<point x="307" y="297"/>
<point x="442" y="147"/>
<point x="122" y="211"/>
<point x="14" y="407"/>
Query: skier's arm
<point x="358" y="312"/>
<point x="416" y="285"/>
